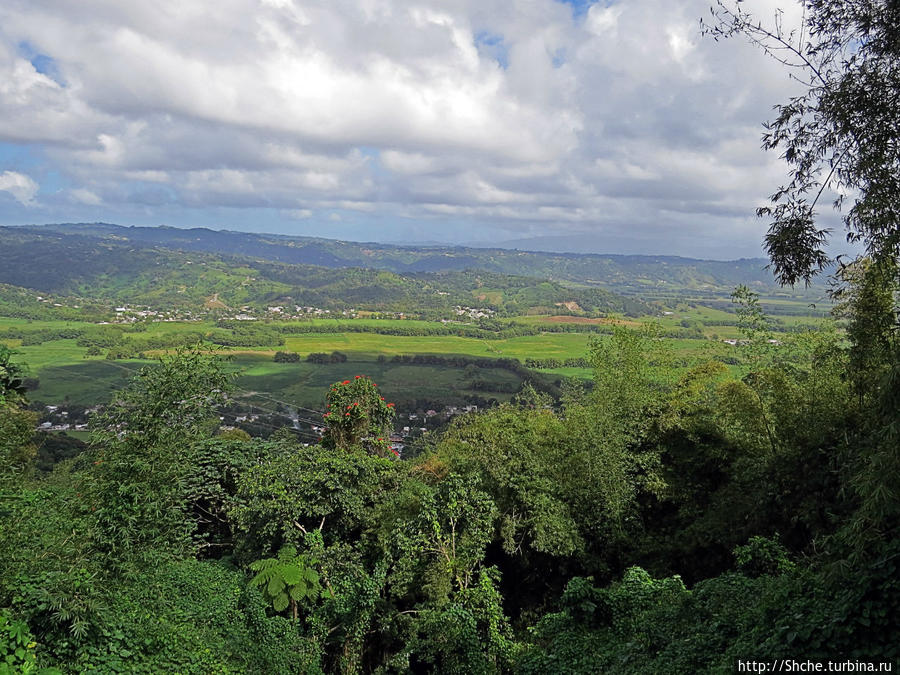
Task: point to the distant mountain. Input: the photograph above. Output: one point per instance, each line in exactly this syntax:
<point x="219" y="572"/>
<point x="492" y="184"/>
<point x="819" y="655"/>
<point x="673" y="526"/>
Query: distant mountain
<point x="643" y="275"/>
<point x="555" y="244"/>
<point x="167" y="268"/>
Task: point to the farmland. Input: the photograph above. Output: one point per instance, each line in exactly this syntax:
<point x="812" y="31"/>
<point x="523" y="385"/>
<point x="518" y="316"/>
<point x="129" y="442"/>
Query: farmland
<point x="66" y="372"/>
<point x="80" y="349"/>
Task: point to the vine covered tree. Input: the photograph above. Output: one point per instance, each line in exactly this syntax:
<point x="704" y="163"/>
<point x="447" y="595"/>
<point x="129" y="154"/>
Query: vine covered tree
<point x="839" y="134"/>
<point x="12" y="386"/>
<point x="358" y="416"/>
<point x="16" y="423"/>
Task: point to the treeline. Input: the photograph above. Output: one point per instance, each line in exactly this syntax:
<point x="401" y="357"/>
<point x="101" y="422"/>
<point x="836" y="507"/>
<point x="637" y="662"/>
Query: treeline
<point x="541" y="364"/>
<point x="245" y="336"/>
<point x="485" y="330"/>
<point x="323" y="358"/>
<point x="437" y="329"/>
<point x="37" y="336"/>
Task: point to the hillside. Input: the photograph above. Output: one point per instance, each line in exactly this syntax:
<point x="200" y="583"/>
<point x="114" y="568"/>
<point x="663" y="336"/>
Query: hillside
<point x="121" y="270"/>
<point x="629" y="274"/>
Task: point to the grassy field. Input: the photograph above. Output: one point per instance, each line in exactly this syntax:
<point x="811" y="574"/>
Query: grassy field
<point x="259" y="379"/>
<point x="305" y="384"/>
<point x="7" y="322"/>
<point x="85" y="381"/>
<point x="558" y="345"/>
<point x="66" y="373"/>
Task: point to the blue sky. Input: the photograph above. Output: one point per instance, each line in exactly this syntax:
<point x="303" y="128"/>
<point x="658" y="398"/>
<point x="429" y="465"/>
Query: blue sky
<point x="599" y="126"/>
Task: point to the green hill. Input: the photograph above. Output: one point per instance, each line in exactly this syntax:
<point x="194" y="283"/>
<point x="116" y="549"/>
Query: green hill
<point x="621" y="273"/>
<point x="116" y="269"/>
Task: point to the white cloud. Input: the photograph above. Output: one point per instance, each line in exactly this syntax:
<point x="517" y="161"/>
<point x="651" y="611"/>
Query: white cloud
<point x="21" y="187"/>
<point x="84" y="196"/>
<point x="378" y="106"/>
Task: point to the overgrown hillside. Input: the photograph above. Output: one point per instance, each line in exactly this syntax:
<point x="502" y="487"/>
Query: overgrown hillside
<point x="662" y="521"/>
<point x="118" y="270"/>
<point x="621" y="273"/>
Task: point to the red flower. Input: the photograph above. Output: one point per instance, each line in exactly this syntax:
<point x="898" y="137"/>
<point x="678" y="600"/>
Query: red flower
<point x="390" y="405"/>
<point x="346" y="414"/>
<point x="357" y="377"/>
<point x="395" y="452"/>
<point x="346" y="382"/>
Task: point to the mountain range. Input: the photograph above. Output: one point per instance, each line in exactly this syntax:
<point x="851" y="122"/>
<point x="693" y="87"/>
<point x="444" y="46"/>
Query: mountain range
<point x="643" y="275"/>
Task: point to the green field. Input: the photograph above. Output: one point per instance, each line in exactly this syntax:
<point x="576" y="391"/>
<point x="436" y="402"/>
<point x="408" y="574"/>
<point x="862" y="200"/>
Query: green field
<point x="259" y="379"/>
<point x="66" y="373"/>
<point x="305" y="384"/>
<point x="559" y="345"/>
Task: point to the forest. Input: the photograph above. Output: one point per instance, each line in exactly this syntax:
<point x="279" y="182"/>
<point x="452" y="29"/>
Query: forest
<point x="667" y="517"/>
<point x="651" y="524"/>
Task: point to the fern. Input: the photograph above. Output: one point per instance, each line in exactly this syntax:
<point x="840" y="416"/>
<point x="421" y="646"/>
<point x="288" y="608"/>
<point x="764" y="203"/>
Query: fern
<point x="286" y="580"/>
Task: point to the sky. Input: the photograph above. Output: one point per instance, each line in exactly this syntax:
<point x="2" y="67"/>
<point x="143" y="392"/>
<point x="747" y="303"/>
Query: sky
<point x="593" y="126"/>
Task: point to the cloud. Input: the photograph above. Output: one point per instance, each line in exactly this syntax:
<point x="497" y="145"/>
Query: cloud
<point x="21" y="187"/>
<point x="519" y="117"/>
<point x="84" y="196"/>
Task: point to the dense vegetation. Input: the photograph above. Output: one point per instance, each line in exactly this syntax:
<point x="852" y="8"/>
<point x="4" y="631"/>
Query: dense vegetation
<point x="654" y="523"/>
<point x="672" y="517"/>
<point x="640" y="274"/>
<point x="115" y="271"/>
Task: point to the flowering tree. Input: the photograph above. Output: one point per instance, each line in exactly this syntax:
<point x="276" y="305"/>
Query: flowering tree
<point x="357" y="415"/>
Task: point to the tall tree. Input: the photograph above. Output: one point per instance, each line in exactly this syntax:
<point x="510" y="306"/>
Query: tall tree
<point x="141" y="450"/>
<point x="11" y="378"/>
<point x="840" y="134"/>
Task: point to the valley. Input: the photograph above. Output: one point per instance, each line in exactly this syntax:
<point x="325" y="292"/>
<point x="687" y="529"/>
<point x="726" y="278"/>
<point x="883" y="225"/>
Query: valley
<point x="116" y="299"/>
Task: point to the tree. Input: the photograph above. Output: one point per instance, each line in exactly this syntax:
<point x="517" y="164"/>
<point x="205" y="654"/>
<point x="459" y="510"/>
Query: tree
<point x="867" y="303"/>
<point x="840" y="134"/>
<point x="12" y="386"/>
<point x="358" y="416"/>
<point x="16" y="449"/>
<point x="141" y="447"/>
<point x="16" y="423"/>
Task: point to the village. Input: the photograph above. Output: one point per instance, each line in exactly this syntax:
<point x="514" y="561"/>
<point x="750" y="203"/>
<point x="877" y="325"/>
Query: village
<point x="408" y="426"/>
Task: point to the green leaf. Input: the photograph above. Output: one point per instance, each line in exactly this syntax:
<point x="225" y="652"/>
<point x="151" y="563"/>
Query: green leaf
<point x="276" y="585"/>
<point x="287" y="553"/>
<point x="291" y="574"/>
<point x="280" y="602"/>
<point x="299" y="591"/>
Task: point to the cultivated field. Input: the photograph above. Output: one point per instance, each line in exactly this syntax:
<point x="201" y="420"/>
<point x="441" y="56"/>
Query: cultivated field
<point x="66" y="372"/>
